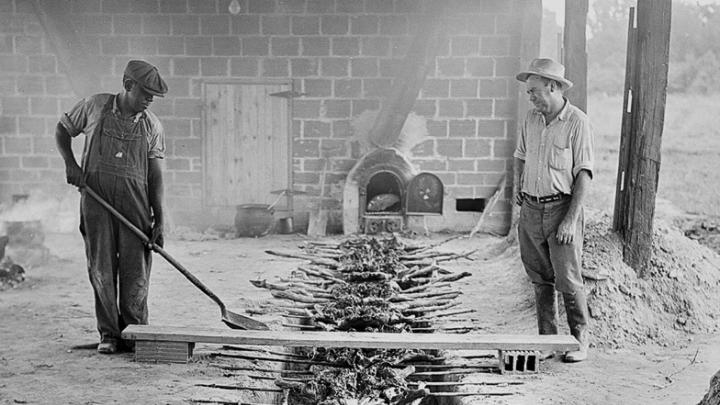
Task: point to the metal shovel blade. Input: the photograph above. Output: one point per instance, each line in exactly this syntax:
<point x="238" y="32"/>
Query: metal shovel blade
<point x="233" y="320"/>
<point x="237" y="321"/>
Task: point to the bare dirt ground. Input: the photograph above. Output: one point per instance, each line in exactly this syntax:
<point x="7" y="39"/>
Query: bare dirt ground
<point x="48" y="331"/>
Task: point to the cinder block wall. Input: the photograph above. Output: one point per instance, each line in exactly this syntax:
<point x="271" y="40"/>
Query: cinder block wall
<point x="342" y="53"/>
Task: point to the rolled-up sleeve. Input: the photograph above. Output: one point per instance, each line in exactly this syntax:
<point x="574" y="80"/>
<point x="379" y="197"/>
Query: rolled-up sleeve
<point x="521" y="147"/>
<point x="75" y="121"/>
<point x="583" y="146"/>
<point x="156" y="138"/>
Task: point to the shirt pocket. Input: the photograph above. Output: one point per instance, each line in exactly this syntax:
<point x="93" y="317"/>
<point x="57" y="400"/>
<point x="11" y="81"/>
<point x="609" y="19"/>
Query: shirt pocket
<point x="560" y="157"/>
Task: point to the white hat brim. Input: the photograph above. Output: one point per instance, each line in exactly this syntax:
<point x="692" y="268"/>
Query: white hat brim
<point x="566" y="84"/>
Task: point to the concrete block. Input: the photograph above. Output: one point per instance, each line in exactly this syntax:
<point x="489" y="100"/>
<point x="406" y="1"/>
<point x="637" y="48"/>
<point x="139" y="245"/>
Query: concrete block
<point x="491" y="165"/>
<point x="15" y="105"/>
<point x="462" y="128"/>
<point x="276" y="67"/>
<point x="173" y="6"/>
<point x="285" y="46"/>
<point x="364" y="25"/>
<point x="437" y="128"/>
<point x="8" y="125"/>
<point x="317" y="87"/>
<point x="128" y="24"/>
<point x="142" y="45"/>
<point x="315" y="46"/>
<point x="450" y="147"/>
<point x="291" y="6"/>
<point x="215" y="25"/>
<point x="337" y="108"/>
<point x="393" y="25"/>
<point x="316" y="129"/>
<point x="306" y="148"/>
<point x="426" y="108"/>
<point x="334" y="24"/>
<point x="433" y="88"/>
<point x="348" y="88"/>
<point x="9" y="162"/>
<point x="479" y="108"/>
<point x="275" y="25"/>
<point x="334" y="67"/>
<point x="493" y="88"/>
<point x="464" y="46"/>
<point x="171" y="45"/>
<point x="306" y="109"/>
<point x="302" y="67"/>
<point x="155" y="25"/>
<point x="245" y="25"/>
<point x="28" y="44"/>
<point x="478" y="148"/>
<point x="144" y="7"/>
<point x="363" y="67"/>
<point x="35" y="125"/>
<point x="376" y="87"/>
<point x="163" y="352"/>
<point x="519" y="361"/>
<point x="463" y="88"/>
<point x="187" y="147"/>
<point x="495" y="46"/>
<point x="186" y="66"/>
<point x="480" y="67"/>
<point x="202" y="7"/>
<point x="451" y="109"/>
<point x="379" y="6"/>
<point x="305" y="25"/>
<point x="359" y="106"/>
<point x="491" y="128"/>
<point x="424" y="149"/>
<point x="198" y="46"/>
<point x="375" y="46"/>
<point x="256" y="46"/>
<point x="503" y="147"/>
<point x="345" y="46"/>
<point x="214" y="66"/>
<point x="341" y="129"/>
<point x="451" y="67"/>
<point x="261" y="6"/>
<point x="320" y="6"/>
<point x="244" y="66"/>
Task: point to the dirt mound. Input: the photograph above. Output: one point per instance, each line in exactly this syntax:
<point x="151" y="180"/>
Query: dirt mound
<point x="677" y="299"/>
<point x="712" y="397"/>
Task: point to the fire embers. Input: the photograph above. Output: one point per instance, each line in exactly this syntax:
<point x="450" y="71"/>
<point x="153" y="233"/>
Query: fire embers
<point x="384" y="202"/>
<point x="11" y="274"/>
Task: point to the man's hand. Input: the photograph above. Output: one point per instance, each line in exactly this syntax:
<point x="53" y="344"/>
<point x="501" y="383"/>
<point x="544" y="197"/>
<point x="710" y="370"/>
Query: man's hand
<point x="566" y="230"/>
<point x="519" y="198"/>
<point x="74" y="174"/>
<point x="156" y="237"/>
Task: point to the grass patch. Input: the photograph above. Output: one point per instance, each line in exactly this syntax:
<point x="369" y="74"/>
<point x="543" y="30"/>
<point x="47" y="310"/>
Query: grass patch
<point x="690" y="152"/>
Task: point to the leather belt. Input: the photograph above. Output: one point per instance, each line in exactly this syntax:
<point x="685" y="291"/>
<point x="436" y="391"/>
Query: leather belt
<point x="547" y="198"/>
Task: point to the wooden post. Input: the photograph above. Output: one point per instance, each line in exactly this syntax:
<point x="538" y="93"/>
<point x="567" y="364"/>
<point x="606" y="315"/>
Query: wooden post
<point x="626" y="130"/>
<point x="575" y="52"/>
<point x="648" y="114"/>
<point x="529" y="47"/>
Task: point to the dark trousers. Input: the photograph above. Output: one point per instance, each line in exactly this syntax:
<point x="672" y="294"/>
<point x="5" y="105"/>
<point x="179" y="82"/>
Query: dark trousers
<point x="546" y="261"/>
<point x="118" y="262"/>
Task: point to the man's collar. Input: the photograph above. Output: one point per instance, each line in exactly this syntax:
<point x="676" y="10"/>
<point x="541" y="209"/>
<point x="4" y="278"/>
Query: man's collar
<point x="116" y="109"/>
<point x="565" y="111"/>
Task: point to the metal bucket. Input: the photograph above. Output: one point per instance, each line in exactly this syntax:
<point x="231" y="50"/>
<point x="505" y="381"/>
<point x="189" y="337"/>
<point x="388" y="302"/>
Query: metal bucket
<point x="285" y="225"/>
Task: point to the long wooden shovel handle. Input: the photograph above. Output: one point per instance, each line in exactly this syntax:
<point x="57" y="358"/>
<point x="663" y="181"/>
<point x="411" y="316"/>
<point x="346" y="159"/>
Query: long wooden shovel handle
<point x="144" y="238"/>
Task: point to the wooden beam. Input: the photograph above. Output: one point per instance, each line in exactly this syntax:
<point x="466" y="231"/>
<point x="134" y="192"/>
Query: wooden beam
<point x="528" y="47"/>
<point x="288" y="338"/>
<point x="575" y="51"/>
<point x="620" y="212"/>
<point x="648" y="115"/>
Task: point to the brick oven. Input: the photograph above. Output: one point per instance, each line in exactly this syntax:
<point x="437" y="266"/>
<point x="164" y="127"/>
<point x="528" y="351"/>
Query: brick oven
<point x="383" y="189"/>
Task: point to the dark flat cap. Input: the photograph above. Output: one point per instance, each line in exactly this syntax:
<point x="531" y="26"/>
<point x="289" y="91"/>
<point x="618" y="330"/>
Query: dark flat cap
<point x="148" y="77"/>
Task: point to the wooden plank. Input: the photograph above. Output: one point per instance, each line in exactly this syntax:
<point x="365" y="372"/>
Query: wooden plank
<point x="287" y="338"/>
<point x="575" y="51"/>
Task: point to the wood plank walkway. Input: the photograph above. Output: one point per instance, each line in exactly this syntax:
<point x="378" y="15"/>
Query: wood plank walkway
<point x="288" y="338"/>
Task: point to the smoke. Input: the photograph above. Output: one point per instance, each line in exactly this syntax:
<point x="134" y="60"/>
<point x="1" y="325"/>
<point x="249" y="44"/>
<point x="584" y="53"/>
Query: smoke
<point x="413" y="132"/>
<point x="57" y="213"/>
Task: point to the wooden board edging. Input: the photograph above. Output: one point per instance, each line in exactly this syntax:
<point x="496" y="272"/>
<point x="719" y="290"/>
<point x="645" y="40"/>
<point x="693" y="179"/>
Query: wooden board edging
<point x="289" y="338"/>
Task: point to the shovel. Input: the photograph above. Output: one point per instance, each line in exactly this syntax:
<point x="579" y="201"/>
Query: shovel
<point x="231" y="319"/>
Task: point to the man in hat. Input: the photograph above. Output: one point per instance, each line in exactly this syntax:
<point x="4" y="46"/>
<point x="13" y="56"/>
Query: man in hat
<point x="121" y="162"/>
<point x="554" y="160"/>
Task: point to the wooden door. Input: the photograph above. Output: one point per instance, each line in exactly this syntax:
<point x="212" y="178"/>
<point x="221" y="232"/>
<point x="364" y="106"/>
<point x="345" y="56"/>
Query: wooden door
<point x="246" y="144"/>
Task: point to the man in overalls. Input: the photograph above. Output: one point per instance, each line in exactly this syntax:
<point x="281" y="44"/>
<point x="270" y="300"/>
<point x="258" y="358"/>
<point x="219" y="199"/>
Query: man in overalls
<point x="121" y="162"/>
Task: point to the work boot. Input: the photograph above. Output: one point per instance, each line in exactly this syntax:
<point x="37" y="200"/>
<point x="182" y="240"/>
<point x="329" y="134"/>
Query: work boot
<point x="546" y="308"/>
<point x="107" y="346"/>
<point x="577" y="316"/>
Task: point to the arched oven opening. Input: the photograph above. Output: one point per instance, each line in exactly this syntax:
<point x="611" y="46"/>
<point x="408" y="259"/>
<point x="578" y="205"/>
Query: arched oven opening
<point x="384" y="194"/>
